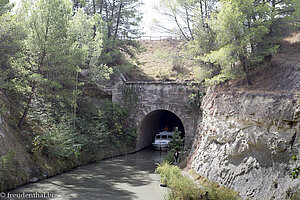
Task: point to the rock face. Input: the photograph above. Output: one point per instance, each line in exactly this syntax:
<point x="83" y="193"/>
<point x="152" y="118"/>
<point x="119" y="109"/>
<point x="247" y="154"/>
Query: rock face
<point x="246" y="141"/>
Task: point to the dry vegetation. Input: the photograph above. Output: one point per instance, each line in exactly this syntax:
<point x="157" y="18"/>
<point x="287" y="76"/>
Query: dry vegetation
<point x="160" y="61"/>
<point x="280" y="74"/>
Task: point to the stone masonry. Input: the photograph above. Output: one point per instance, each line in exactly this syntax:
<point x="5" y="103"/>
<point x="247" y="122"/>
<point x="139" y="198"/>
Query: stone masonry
<point x="158" y="95"/>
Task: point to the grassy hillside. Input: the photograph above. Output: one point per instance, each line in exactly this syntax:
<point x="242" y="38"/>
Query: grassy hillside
<point x="160" y="60"/>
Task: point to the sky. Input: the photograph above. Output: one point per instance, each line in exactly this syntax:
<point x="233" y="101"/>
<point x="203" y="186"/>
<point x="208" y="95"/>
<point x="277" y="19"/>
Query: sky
<point x="149" y="15"/>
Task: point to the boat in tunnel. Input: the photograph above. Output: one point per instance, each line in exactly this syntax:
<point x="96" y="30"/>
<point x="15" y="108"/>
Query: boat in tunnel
<point x="162" y="140"/>
<point x="155" y="123"/>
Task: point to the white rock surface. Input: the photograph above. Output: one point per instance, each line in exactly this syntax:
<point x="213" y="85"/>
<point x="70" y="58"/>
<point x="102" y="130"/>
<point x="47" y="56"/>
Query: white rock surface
<point x="1" y="128"/>
<point x="246" y="141"/>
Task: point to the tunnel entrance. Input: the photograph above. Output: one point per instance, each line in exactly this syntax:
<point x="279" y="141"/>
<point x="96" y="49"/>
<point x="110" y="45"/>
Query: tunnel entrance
<point x="155" y="122"/>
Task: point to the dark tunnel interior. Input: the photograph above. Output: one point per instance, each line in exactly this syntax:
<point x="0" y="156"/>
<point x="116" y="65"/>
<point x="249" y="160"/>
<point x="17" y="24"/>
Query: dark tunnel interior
<point x="155" y="122"/>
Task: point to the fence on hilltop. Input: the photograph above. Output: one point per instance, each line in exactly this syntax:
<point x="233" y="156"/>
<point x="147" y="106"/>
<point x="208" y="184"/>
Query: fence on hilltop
<point x="150" y="38"/>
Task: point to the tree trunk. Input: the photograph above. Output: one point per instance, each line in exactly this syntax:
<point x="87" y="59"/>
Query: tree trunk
<point x="34" y="85"/>
<point x="101" y="7"/>
<point x="118" y="20"/>
<point x="180" y="29"/>
<point x="245" y="67"/>
<point x="188" y="22"/>
<point x="94" y="27"/>
<point x="28" y="104"/>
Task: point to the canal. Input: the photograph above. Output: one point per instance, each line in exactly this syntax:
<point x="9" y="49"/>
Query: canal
<point x="128" y="177"/>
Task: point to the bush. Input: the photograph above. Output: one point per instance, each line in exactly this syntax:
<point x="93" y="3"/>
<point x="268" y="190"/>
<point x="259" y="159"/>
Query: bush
<point x="10" y="171"/>
<point x="88" y="134"/>
<point x="182" y="187"/>
<point x="216" y="192"/>
<point x="170" y="157"/>
<point x="61" y="141"/>
<point x="296" y="195"/>
<point x="176" y="143"/>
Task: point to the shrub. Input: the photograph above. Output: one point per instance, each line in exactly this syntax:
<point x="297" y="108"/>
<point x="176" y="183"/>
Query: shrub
<point x="182" y="187"/>
<point x="9" y="171"/>
<point x="170" y="157"/>
<point x="176" y="143"/>
<point x="87" y="134"/>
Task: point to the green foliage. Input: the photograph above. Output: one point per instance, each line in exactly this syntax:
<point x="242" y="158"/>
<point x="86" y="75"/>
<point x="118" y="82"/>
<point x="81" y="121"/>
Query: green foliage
<point x="130" y="98"/>
<point x="49" y="51"/>
<point x="170" y="157"/>
<point x="237" y="35"/>
<point x="5" y="6"/>
<point x="296" y="171"/>
<point x="219" y="193"/>
<point x="6" y="159"/>
<point x="224" y="75"/>
<point x="168" y="173"/>
<point x="45" y="67"/>
<point x="296" y="14"/>
<point x="115" y="118"/>
<point x="9" y="170"/>
<point x="87" y="35"/>
<point x="295" y="196"/>
<point x="182" y="187"/>
<point x="194" y="101"/>
<point x="176" y="143"/>
<point x="3" y="109"/>
<point x="121" y="23"/>
<point x="90" y="135"/>
<point x="11" y="36"/>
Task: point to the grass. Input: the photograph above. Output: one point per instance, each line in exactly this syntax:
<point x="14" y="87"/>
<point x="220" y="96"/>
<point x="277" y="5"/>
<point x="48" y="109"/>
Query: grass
<point x="183" y="187"/>
<point x="161" y="61"/>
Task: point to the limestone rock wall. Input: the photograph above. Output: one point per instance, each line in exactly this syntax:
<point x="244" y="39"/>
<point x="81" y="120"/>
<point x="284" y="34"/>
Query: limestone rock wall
<point x="246" y="141"/>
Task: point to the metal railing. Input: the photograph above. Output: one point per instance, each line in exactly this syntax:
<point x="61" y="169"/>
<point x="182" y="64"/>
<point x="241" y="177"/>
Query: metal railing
<point x="150" y="38"/>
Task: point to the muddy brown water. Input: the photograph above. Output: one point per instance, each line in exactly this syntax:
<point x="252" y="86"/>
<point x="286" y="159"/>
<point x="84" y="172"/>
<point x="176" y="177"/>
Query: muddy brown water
<point x="128" y="177"/>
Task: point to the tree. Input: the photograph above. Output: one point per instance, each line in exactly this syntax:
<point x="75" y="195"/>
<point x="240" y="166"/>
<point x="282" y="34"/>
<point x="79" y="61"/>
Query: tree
<point x="222" y="35"/>
<point x="11" y="36"/>
<point x="46" y="67"/>
<point x="186" y="14"/>
<point x="87" y="33"/>
<point x="245" y="32"/>
<point x="240" y="26"/>
<point x="176" y="143"/>
<point x="5" y="6"/>
<point x="121" y="19"/>
<point x="191" y="19"/>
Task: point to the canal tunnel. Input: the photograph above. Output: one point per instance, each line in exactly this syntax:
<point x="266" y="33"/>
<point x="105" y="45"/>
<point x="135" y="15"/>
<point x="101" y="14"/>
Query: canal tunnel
<point x="155" y="122"/>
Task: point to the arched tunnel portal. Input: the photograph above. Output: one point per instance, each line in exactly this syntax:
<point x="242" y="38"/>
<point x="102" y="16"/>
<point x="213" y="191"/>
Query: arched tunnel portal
<point x="155" y="122"/>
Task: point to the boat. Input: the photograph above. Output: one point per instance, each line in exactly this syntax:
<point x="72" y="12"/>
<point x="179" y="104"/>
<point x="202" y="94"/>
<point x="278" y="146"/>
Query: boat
<point x="162" y="139"/>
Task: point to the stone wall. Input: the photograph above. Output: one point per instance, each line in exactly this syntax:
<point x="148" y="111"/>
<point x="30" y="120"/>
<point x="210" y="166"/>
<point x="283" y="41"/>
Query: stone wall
<point x="158" y="95"/>
<point x="246" y="141"/>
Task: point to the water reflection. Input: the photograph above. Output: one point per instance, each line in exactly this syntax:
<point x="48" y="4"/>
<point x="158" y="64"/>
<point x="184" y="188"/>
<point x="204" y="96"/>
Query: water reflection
<point x="127" y="177"/>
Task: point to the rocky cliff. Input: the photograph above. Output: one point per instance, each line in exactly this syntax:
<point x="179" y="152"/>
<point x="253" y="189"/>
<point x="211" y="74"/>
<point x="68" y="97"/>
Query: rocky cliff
<point x="248" y="134"/>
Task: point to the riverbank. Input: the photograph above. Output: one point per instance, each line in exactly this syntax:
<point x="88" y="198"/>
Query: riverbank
<point x="44" y="149"/>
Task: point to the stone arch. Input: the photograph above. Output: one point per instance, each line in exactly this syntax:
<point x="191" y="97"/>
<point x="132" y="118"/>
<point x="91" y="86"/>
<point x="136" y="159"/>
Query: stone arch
<point x="153" y="119"/>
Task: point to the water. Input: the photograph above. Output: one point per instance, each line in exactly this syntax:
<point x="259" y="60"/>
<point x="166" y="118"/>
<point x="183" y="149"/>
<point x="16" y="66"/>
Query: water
<point x="128" y="177"/>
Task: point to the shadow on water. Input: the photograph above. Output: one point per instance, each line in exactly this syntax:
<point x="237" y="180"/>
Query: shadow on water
<point x="125" y="178"/>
